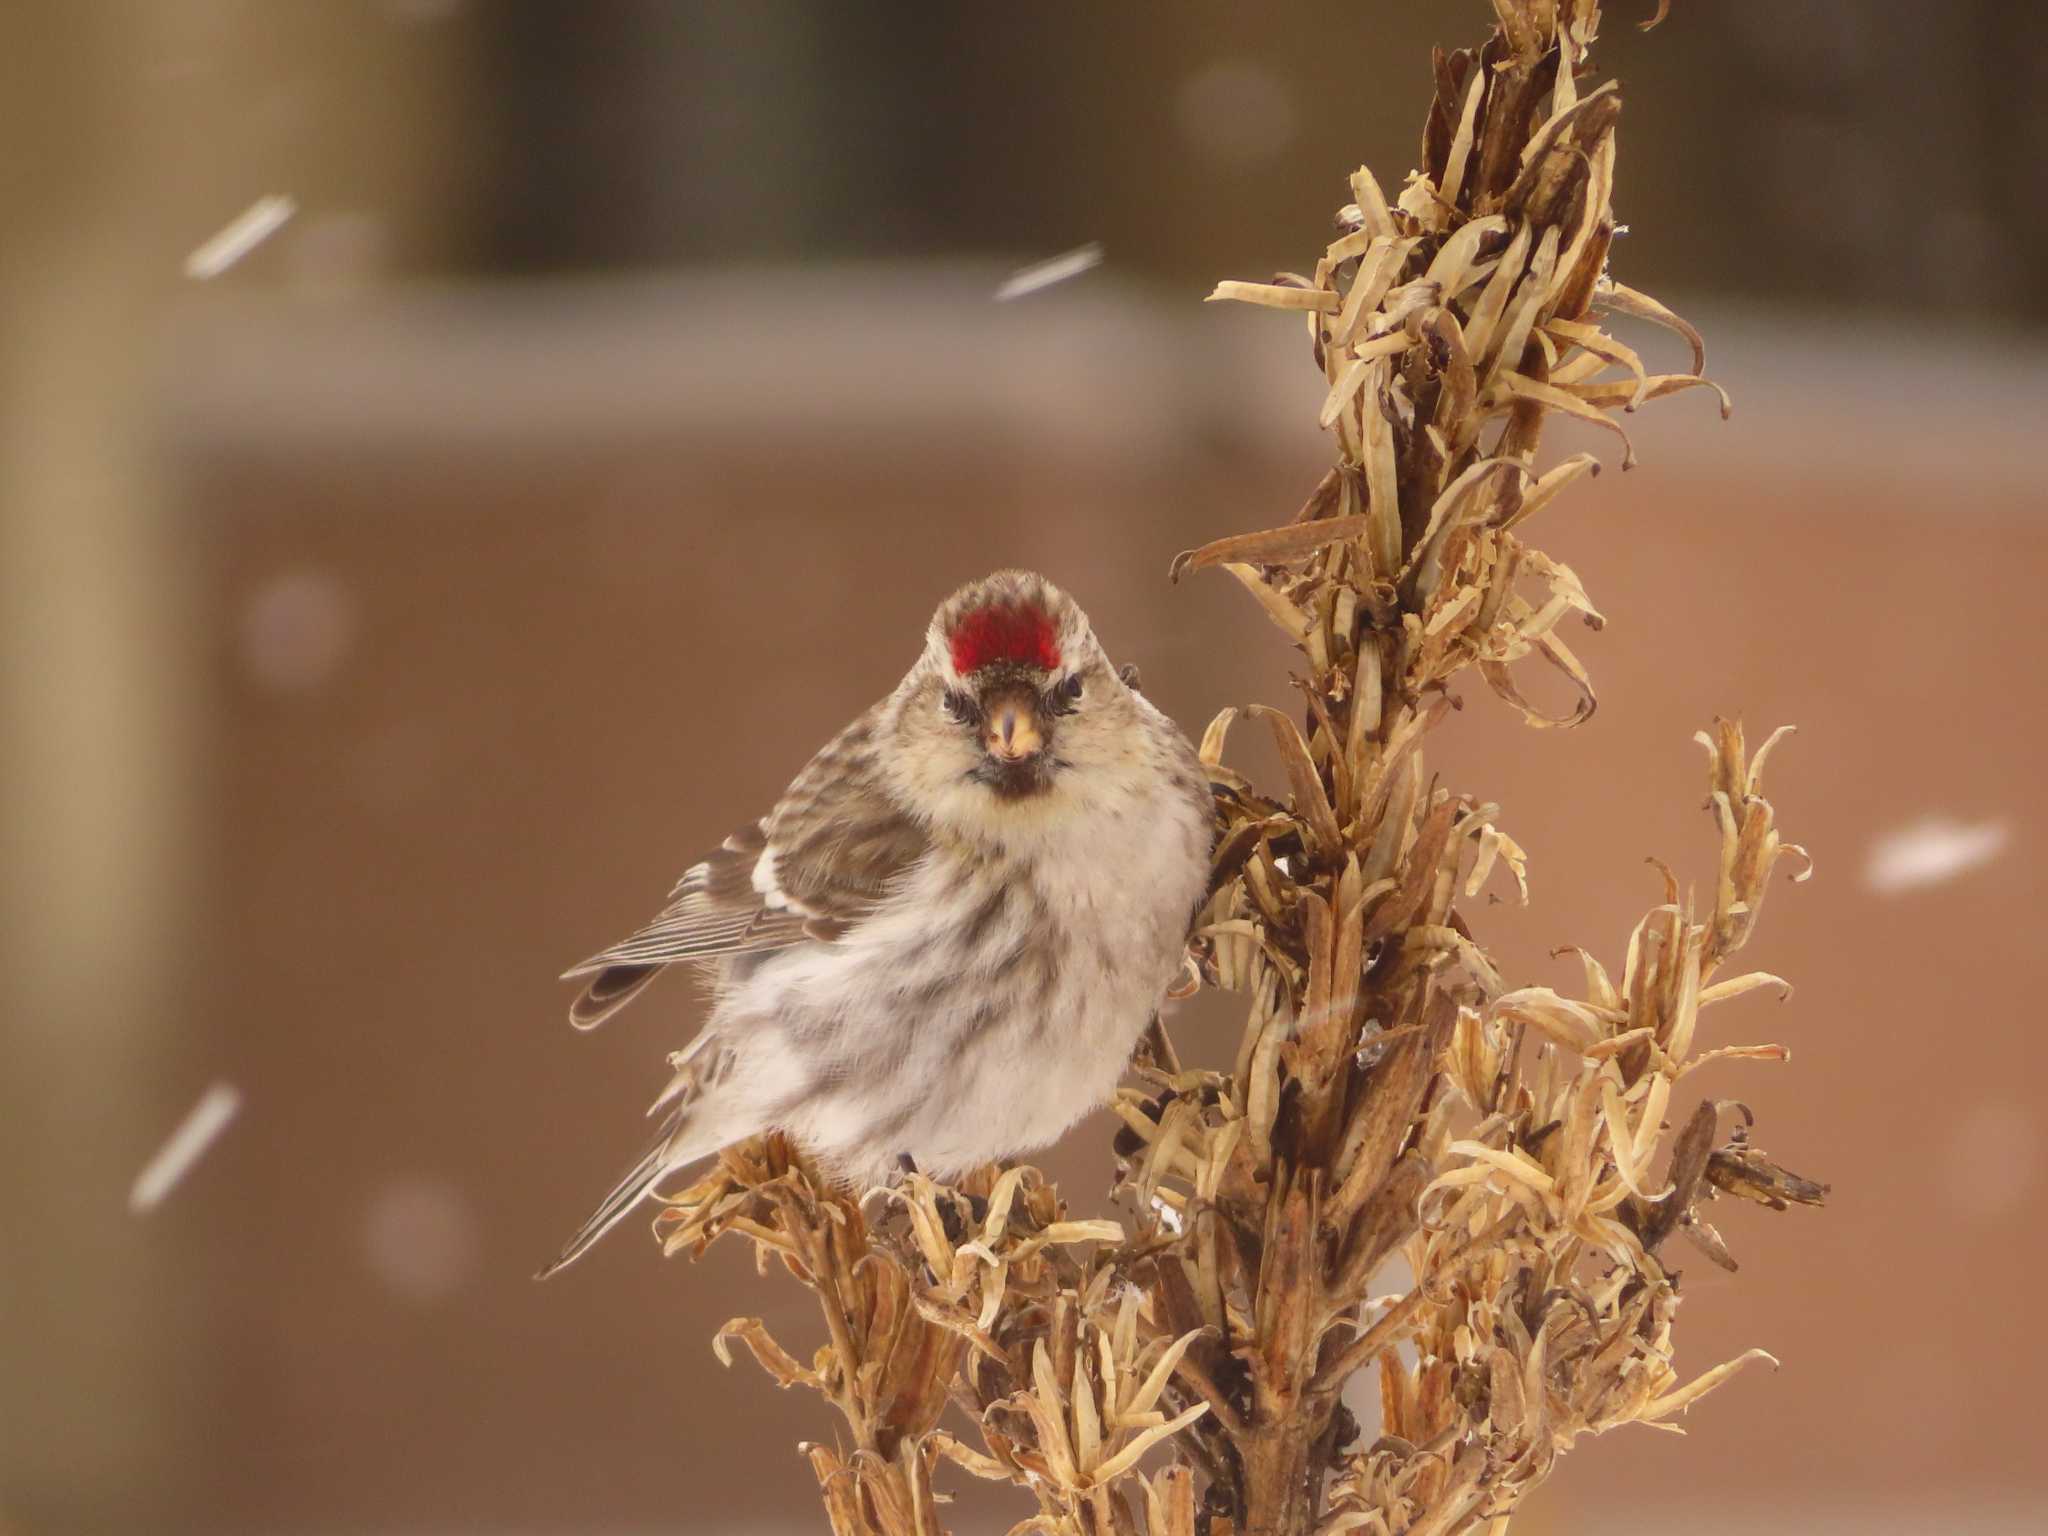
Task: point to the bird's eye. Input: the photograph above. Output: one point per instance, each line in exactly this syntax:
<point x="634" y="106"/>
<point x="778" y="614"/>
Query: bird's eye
<point x="958" y="706"/>
<point x="1072" y="688"/>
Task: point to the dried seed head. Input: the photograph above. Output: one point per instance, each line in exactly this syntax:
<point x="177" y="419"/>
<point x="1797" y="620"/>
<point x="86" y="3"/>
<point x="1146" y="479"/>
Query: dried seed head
<point x="1391" y="1094"/>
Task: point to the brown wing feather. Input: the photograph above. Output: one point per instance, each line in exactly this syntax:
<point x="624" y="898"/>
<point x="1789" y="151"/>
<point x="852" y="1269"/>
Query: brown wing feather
<point x="820" y="861"/>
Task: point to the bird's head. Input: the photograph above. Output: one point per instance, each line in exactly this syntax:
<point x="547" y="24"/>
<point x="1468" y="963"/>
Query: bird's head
<point x="1012" y="707"/>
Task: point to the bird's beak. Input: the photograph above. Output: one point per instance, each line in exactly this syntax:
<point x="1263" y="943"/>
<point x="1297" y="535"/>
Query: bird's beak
<point x="1010" y="731"/>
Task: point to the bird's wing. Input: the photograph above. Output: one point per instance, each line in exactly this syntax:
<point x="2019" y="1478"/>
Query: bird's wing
<point x="814" y="866"/>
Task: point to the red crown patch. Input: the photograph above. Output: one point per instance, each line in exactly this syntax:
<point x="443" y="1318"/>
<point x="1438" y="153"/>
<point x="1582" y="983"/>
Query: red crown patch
<point x="1004" y="632"/>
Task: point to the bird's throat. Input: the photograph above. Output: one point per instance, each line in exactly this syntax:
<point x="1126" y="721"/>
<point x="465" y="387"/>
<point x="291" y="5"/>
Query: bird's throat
<point x="1020" y="780"/>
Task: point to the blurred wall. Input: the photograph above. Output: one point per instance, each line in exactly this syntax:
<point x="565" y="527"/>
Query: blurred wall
<point x="127" y="134"/>
<point x="382" y="634"/>
<point x="1830" y="152"/>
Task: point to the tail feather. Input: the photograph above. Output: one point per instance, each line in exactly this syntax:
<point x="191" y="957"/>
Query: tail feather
<point x="618" y="1205"/>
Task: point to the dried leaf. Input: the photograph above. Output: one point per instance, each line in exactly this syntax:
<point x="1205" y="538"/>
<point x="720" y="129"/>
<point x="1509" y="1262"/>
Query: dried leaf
<point x="1747" y="1173"/>
<point x="1609" y="294"/>
<point x="772" y="1358"/>
<point x="1275" y="546"/>
<point x="1277" y="296"/>
<point x="1292" y="621"/>
<point x="1701" y="1385"/>
<point x="1311" y="802"/>
<point x="1139" y="1444"/>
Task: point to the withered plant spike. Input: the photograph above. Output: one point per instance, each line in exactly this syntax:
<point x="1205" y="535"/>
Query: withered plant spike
<point x="1183" y="1369"/>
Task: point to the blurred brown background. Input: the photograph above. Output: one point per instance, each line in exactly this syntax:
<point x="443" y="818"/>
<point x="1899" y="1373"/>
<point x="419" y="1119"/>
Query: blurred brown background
<point x="388" y="620"/>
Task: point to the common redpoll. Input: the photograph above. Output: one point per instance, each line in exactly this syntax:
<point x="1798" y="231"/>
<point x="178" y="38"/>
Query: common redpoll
<point x="945" y="940"/>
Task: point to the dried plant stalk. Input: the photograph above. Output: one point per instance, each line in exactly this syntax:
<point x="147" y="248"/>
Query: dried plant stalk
<point x="1392" y="1096"/>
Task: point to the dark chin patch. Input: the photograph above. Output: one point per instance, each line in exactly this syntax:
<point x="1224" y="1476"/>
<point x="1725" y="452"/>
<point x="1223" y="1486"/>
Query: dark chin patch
<point x="1013" y="781"/>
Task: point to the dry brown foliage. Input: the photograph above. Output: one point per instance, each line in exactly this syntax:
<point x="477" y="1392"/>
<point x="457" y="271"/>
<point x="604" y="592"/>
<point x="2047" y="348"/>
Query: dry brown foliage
<point x="1395" y="1106"/>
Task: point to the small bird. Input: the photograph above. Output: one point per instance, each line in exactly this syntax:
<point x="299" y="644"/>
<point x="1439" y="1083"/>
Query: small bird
<point x="943" y="943"/>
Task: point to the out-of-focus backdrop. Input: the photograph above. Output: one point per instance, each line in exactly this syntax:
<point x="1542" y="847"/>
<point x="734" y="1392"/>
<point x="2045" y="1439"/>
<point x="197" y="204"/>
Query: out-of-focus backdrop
<point x="390" y="616"/>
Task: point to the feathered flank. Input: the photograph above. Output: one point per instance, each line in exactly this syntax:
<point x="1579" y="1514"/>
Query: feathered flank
<point x="816" y="864"/>
<point x="714" y="912"/>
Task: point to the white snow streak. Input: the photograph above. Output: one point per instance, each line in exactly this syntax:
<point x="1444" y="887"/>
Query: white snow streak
<point x="1043" y="274"/>
<point x="1930" y="851"/>
<point x="247" y="230"/>
<point x="187" y="1144"/>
